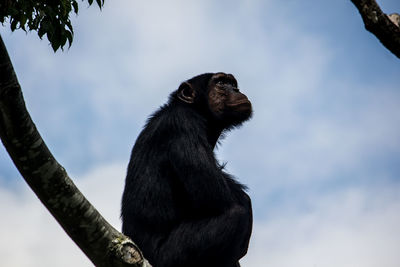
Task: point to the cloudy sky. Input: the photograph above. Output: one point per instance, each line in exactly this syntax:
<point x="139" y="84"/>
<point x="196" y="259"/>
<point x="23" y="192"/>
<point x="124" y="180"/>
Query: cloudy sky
<point x="321" y="156"/>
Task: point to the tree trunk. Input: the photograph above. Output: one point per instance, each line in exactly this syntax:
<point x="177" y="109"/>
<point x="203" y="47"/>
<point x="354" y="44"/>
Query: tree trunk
<point x="102" y="243"/>
<point x="386" y="29"/>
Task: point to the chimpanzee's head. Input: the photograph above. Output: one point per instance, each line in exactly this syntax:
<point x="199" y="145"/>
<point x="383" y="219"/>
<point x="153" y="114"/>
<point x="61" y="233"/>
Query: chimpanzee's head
<point x="216" y="96"/>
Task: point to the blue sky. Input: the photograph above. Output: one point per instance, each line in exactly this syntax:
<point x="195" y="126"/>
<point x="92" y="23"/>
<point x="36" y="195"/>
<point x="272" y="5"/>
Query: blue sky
<point x="321" y="156"/>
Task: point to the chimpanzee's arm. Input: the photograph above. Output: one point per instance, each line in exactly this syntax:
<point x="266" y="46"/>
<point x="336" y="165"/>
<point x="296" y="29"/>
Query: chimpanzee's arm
<point x="218" y="226"/>
<point x="212" y="241"/>
<point x="245" y="201"/>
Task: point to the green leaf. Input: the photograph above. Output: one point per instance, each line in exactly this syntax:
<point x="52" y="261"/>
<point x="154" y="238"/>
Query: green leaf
<point x="75" y="6"/>
<point x="54" y="41"/>
<point x="47" y="17"/>
<point x="14" y="24"/>
<point x="55" y="46"/>
<point x="13" y="12"/>
<point x="68" y="23"/>
<point x="70" y="38"/>
<point x="23" y="22"/>
<point x="100" y="3"/>
<point x="41" y="32"/>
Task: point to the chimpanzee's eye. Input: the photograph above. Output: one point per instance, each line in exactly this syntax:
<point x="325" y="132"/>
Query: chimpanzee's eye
<point x="220" y="83"/>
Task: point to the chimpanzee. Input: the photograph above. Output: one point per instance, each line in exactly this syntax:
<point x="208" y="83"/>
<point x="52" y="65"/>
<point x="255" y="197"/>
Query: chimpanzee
<point x="179" y="205"/>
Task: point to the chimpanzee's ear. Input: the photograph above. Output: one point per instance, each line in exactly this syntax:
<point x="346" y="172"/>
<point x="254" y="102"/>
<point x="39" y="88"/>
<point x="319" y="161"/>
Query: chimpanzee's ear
<point x="186" y="93"/>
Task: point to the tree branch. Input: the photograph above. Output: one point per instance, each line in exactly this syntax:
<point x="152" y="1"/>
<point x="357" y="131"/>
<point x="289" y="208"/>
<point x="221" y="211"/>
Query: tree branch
<point x="102" y="243"/>
<point x="379" y="24"/>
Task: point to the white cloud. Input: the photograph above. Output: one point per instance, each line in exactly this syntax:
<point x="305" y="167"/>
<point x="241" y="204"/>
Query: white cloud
<point x="103" y="187"/>
<point x="31" y="236"/>
<point x="349" y="228"/>
<point x="341" y="134"/>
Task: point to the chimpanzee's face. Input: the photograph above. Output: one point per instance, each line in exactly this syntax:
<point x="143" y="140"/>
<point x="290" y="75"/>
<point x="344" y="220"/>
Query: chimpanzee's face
<point x="226" y="101"/>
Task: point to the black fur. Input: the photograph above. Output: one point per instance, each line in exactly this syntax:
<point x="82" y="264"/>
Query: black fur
<point x="178" y="205"/>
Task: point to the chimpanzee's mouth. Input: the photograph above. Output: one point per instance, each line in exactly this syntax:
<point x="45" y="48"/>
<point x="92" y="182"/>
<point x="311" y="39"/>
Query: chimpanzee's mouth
<point x="239" y="103"/>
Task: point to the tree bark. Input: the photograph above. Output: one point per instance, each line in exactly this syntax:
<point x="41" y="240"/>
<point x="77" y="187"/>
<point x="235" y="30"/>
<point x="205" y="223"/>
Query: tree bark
<point x="379" y="24"/>
<point x="102" y="243"/>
